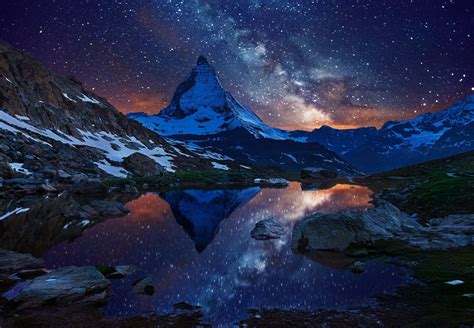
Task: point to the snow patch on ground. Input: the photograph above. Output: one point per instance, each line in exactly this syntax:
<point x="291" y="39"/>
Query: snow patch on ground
<point x="15" y="211"/>
<point x="65" y="95"/>
<point x="18" y="167"/>
<point x="99" y="140"/>
<point x="85" y="98"/>
<point x="291" y="157"/>
<point x="23" y="118"/>
<point x="220" y="166"/>
<point x="108" y="168"/>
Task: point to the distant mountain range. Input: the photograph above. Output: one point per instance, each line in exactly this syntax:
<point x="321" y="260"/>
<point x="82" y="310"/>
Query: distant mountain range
<point x="397" y="144"/>
<point x="202" y="113"/>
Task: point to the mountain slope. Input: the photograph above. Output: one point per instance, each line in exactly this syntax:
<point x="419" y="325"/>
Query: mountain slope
<point x="45" y="108"/>
<point x="397" y="144"/>
<point x="202" y="113"/>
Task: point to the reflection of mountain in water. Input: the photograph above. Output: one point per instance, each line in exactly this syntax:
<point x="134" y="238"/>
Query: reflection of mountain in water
<point x="201" y="211"/>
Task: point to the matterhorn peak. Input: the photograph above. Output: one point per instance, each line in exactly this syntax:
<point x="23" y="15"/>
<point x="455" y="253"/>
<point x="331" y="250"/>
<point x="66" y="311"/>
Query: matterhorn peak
<point x="202" y="60"/>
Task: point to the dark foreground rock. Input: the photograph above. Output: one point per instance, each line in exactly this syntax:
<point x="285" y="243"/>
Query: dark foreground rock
<point x="268" y="229"/>
<point x="317" y="173"/>
<point x="142" y="166"/>
<point x="64" y="286"/>
<point x="338" y="231"/>
<point x="11" y="262"/>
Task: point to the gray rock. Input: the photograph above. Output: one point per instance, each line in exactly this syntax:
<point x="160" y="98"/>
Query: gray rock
<point x="109" y="208"/>
<point x="64" y="286"/>
<point x="142" y="166"/>
<point x="272" y="182"/>
<point x="144" y="286"/>
<point x="338" y="230"/>
<point x="11" y="262"/>
<point x="268" y="229"/>
<point x="121" y="271"/>
<point x="357" y="267"/>
<point x="317" y="173"/>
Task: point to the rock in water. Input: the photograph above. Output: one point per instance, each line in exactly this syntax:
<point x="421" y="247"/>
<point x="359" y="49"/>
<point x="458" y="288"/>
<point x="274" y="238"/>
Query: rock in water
<point x="144" y="286"/>
<point x="317" y="173"/>
<point x="268" y="229"/>
<point x="272" y="182"/>
<point x="338" y="230"/>
<point x="66" y="285"/>
<point x="142" y="166"/>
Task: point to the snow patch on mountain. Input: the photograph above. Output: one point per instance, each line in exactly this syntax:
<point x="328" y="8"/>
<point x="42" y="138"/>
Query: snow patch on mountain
<point x="201" y="106"/>
<point x="114" y="147"/>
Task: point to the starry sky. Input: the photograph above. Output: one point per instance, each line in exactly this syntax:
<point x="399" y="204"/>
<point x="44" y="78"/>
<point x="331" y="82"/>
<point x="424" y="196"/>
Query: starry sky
<point x="297" y="64"/>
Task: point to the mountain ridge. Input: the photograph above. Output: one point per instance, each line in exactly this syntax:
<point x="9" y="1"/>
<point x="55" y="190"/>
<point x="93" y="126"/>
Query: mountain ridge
<point x="398" y="143"/>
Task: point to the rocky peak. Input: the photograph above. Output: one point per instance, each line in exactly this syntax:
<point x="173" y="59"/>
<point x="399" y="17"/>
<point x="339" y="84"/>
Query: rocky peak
<point x="201" y="90"/>
<point x="202" y="60"/>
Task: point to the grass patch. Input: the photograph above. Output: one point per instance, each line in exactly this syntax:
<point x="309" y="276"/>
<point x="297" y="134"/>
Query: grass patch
<point x="442" y="195"/>
<point x="105" y="269"/>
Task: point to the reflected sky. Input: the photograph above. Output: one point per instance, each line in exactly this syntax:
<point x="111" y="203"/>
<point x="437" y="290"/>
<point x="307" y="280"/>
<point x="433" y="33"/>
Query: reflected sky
<point x="234" y="272"/>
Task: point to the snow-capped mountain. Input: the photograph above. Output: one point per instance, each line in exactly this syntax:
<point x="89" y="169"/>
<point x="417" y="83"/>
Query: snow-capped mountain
<point x="396" y="144"/>
<point x="200" y="106"/>
<point x="202" y="113"/>
<point x="65" y="126"/>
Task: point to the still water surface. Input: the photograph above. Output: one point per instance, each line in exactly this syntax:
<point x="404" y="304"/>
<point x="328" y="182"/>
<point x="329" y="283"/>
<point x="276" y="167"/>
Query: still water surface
<point x="196" y="245"/>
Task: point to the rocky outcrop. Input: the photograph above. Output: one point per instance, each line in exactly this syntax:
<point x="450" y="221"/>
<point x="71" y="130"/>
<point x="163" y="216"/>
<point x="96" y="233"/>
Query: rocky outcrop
<point x="144" y="286"/>
<point x="268" y="229"/>
<point x="38" y="223"/>
<point x="384" y="221"/>
<point x="317" y="173"/>
<point x="12" y="262"/>
<point x="142" y="166"/>
<point x="85" y="285"/>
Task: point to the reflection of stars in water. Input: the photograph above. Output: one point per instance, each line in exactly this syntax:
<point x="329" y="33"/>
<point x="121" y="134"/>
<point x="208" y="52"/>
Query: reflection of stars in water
<point x="235" y="272"/>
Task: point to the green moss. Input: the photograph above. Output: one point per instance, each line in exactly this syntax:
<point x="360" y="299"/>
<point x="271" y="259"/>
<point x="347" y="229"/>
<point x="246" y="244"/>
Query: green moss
<point x="442" y="195"/>
<point x="105" y="269"/>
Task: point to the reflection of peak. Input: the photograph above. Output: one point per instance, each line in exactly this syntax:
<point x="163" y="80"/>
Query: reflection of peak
<point x="199" y="212"/>
<point x="202" y="60"/>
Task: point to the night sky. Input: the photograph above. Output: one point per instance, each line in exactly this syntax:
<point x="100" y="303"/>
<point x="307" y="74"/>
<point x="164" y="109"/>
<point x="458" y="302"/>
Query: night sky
<point x="297" y="64"/>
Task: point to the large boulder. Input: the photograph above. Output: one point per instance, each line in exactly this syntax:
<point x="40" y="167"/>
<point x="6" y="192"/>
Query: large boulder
<point x="142" y="166"/>
<point x="272" y="182"/>
<point x="268" y="229"/>
<point x="85" y="285"/>
<point x="317" y="173"/>
<point x="337" y="231"/>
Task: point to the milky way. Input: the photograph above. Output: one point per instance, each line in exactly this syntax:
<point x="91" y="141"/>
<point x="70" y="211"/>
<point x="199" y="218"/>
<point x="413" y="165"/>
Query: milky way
<point x="298" y="64"/>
